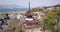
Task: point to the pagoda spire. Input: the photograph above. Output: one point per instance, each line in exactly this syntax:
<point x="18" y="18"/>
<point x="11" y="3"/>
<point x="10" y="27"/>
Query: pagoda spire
<point x="29" y="5"/>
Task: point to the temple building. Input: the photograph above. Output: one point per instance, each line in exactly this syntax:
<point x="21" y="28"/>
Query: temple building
<point x="29" y="15"/>
<point x="30" y="21"/>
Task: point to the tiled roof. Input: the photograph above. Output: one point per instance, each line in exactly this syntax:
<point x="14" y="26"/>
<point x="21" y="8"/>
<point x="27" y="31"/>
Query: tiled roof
<point x="28" y="13"/>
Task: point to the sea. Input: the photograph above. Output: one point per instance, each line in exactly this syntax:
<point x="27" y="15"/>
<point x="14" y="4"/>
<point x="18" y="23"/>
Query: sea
<point x="12" y="10"/>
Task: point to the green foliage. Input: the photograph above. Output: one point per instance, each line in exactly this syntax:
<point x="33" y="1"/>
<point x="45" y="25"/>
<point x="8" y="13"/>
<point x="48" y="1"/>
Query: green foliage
<point x="58" y="11"/>
<point x="36" y="9"/>
<point x="7" y="17"/>
<point x="51" y="18"/>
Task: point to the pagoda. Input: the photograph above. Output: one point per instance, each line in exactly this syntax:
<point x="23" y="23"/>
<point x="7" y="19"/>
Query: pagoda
<point x="30" y="21"/>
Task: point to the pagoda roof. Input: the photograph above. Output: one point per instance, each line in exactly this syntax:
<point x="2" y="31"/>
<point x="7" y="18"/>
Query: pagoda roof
<point x="29" y="13"/>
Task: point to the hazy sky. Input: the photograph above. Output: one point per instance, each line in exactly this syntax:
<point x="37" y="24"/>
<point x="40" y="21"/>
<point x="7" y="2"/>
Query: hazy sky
<point x="34" y="3"/>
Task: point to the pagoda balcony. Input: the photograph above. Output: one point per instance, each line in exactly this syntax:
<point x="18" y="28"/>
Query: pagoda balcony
<point x="31" y="25"/>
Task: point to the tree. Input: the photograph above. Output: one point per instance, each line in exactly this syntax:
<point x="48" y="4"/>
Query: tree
<point x="34" y="9"/>
<point x="58" y="19"/>
<point x="7" y="17"/>
<point x="50" y="20"/>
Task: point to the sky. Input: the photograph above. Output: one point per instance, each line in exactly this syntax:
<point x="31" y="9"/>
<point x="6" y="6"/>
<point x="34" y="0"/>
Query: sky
<point x="33" y="3"/>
